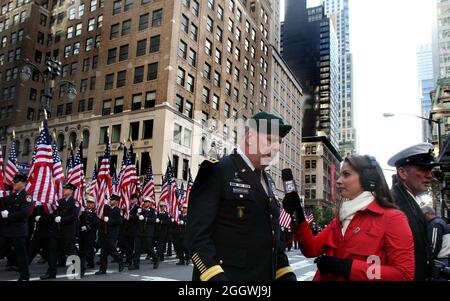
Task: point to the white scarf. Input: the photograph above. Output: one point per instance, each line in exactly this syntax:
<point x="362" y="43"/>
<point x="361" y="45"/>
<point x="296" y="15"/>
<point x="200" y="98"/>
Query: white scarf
<point x="350" y="207"/>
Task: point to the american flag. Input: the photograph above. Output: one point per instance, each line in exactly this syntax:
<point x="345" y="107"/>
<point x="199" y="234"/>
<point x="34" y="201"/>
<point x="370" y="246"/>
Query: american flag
<point x="115" y="182"/>
<point x="134" y="186"/>
<point x="181" y="195"/>
<point x="285" y="219"/>
<point x="149" y="183"/>
<point x="188" y="188"/>
<point x="11" y="166"/>
<point x="173" y="193"/>
<point x="103" y="186"/>
<point x="58" y="173"/>
<point x="164" y="195"/>
<point x="309" y="215"/>
<point x="129" y="179"/>
<point x="77" y="176"/>
<point x="41" y="180"/>
<point x="69" y="167"/>
<point x="2" y="185"/>
<point x="91" y="187"/>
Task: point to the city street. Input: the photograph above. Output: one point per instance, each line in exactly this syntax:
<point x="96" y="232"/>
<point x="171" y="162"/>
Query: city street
<point x="168" y="271"/>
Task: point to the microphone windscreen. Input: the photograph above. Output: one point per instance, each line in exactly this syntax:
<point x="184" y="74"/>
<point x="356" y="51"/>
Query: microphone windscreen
<point x="286" y="175"/>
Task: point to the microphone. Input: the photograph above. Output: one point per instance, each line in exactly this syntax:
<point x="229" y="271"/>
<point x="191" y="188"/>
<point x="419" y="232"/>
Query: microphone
<point x="291" y="201"/>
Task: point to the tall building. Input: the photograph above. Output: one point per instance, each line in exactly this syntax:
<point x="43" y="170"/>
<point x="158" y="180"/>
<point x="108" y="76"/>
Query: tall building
<point x="340" y="10"/>
<point x="426" y="84"/>
<point x="310" y="48"/>
<point x="164" y="74"/>
<point x="441" y="39"/>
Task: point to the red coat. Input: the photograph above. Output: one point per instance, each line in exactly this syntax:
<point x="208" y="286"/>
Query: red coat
<point x="373" y="231"/>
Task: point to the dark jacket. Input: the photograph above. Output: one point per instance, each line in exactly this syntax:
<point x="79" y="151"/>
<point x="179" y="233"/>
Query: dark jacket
<point x="437" y="228"/>
<point x="89" y="219"/>
<point x="44" y="228"/>
<point x="110" y="229"/>
<point x="131" y="225"/>
<point x="146" y="227"/>
<point x="68" y="210"/>
<point x="162" y="226"/>
<point x="418" y="225"/>
<point x="19" y="208"/>
<point x="233" y="225"/>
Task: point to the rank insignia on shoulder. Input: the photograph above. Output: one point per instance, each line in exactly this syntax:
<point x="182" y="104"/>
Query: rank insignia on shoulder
<point x="29" y="198"/>
<point x="212" y="160"/>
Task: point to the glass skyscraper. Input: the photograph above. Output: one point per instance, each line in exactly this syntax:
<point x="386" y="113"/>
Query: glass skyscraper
<point x="426" y="84"/>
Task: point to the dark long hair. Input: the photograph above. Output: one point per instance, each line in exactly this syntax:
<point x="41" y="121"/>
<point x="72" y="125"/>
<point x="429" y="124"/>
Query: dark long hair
<point x="369" y="169"/>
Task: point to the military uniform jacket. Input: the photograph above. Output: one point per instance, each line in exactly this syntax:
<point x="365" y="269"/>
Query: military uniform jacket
<point x="68" y="210"/>
<point x="418" y="225"/>
<point x="233" y="225"/>
<point x="90" y="220"/>
<point x="44" y="227"/>
<point x="146" y="227"/>
<point x="110" y="230"/>
<point x="131" y="225"/>
<point x="182" y="227"/>
<point x="19" y="206"/>
<point x="162" y="227"/>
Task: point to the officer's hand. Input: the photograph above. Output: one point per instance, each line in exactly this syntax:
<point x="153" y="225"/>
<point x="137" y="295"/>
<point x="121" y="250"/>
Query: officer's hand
<point x="141" y="217"/>
<point x="157" y="220"/>
<point x="58" y="219"/>
<point x="139" y="210"/>
<point x="5" y="213"/>
<point x="172" y="220"/>
<point x="37" y="218"/>
<point x="181" y="222"/>
<point x="334" y="265"/>
<point x="83" y="228"/>
<point x="106" y="219"/>
<point x="292" y="205"/>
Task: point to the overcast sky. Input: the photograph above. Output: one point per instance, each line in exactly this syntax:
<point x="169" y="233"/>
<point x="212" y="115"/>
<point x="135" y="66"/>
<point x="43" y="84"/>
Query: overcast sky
<point x="384" y="35"/>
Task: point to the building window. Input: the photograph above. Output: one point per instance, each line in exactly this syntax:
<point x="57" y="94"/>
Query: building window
<point x="111" y="56"/>
<point x="134" y="131"/>
<point x="208" y="46"/>
<point x="177" y="134"/>
<point x="152" y="71"/>
<point x="109" y="81"/>
<point x="121" y="78"/>
<point x="106" y="110"/>
<point x="114" y="31"/>
<point x="157" y="18"/>
<point x="147" y="131"/>
<point x="215" y="102"/>
<point x="216" y="79"/>
<point x="205" y="95"/>
<point x="141" y="47"/>
<point x="188" y="109"/>
<point x="115" y="135"/>
<point x="150" y="99"/>
<point x="118" y="106"/>
<point x="103" y="135"/>
<point x="194" y="32"/>
<point x="195" y="8"/>
<point x="218" y="57"/>
<point x="179" y="103"/>
<point x="154" y="44"/>
<point x="81" y="106"/>
<point x="180" y="77"/>
<point x="126" y="27"/>
<point x="185" y="166"/>
<point x="182" y="49"/>
<point x="207" y="71"/>
<point x="117" y="7"/>
<point x="192" y="59"/>
<point x="123" y="53"/>
<point x="138" y="74"/>
<point x="136" y="102"/>
<point x="143" y="22"/>
<point x="190" y="83"/>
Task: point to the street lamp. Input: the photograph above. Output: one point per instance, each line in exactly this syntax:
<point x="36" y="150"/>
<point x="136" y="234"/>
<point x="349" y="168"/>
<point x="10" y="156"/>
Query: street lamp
<point x="438" y="122"/>
<point x="53" y="70"/>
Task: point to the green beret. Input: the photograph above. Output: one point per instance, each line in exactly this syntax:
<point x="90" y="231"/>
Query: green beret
<point x="269" y="123"/>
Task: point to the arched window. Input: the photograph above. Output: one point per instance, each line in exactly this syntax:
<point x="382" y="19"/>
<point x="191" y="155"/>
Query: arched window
<point x="26" y="147"/>
<point x="73" y="140"/>
<point x="85" y="139"/>
<point x="60" y="142"/>
<point x="18" y="150"/>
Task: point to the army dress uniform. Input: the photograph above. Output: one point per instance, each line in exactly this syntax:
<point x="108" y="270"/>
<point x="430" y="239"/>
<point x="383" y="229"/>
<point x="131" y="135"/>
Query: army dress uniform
<point x="233" y="228"/>
<point x="16" y="209"/>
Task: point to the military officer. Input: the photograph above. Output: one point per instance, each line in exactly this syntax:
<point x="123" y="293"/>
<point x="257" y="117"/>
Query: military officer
<point x="14" y="215"/>
<point x="144" y="235"/>
<point x="62" y="243"/>
<point x="109" y="233"/>
<point x="183" y="254"/>
<point x="414" y="165"/>
<point x="233" y="227"/>
<point x="89" y="223"/>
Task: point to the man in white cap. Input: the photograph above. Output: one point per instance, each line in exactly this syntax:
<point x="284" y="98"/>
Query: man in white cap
<point x="414" y="165"/>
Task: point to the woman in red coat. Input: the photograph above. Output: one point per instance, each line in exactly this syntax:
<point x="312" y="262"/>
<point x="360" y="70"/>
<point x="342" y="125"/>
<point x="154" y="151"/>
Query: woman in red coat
<point x="369" y="239"/>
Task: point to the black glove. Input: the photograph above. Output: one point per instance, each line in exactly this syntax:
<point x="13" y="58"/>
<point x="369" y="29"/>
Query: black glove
<point x="292" y="205"/>
<point x="334" y="265"/>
